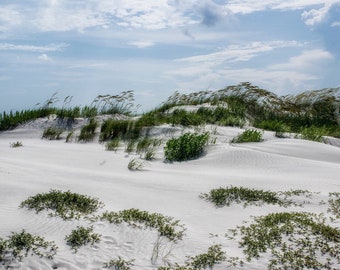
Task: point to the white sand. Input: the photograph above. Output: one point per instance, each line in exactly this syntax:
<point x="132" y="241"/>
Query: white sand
<point x="169" y="189"/>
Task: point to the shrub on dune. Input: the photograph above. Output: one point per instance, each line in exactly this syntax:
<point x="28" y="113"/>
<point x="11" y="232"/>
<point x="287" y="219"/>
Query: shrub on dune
<point x="67" y="205"/>
<point x="249" y="135"/>
<point x="186" y="147"/>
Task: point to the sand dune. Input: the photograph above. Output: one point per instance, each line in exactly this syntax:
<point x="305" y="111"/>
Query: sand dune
<point x="169" y="189"/>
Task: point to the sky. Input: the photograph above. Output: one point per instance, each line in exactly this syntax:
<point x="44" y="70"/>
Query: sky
<point x="84" y="48"/>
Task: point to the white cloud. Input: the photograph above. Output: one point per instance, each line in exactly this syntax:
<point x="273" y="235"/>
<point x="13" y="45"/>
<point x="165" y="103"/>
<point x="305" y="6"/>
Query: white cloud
<point x="142" y="44"/>
<point x="239" y="52"/>
<point x="335" y="24"/>
<point x="307" y="60"/>
<point x="315" y="16"/>
<point x="44" y="57"/>
<point x="32" y="48"/>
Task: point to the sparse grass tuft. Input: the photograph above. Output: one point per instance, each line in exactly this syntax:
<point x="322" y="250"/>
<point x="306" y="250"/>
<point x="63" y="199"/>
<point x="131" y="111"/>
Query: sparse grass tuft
<point x="52" y="133"/>
<point x="113" y="144"/>
<point x="334" y="204"/>
<point x="87" y="132"/>
<point x="20" y="245"/>
<point x="16" y="144"/>
<point x="226" y="196"/>
<point x="67" y="205"/>
<point x="82" y="236"/>
<point x="293" y="240"/>
<point x="249" y="135"/>
<point x="166" y="226"/>
<point x="135" y="165"/>
<point x="186" y="147"/>
<point x="119" y="264"/>
<point x="208" y="260"/>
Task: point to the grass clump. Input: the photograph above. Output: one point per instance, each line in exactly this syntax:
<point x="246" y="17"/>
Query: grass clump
<point x="87" y="132"/>
<point x="135" y="165"/>
<point x="52" y="133"/>
<point x="186" y="147"/>
<point x="119" y="264"/>
<point x="16" y="144"/>
<point x="67" y="205"/>
<point x="225" y="196"/>
<point x="166" y="226"/>
<point x="313" y="133"/>
<point x="81" y="237"/>
<point x="334" y="204"/>
<point x="249" y="135"/>
<point x="294" y="240"/>
<point x="112" y="145"/>
<point x="20" y="245"/>
<point x="207" y="260"/>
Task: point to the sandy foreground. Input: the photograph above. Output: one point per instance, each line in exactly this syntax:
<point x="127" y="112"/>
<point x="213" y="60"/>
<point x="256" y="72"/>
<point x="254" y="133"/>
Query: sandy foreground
<point x="170" y="189"/>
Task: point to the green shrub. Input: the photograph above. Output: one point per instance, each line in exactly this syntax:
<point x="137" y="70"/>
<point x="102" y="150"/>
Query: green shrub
<point x="313" y="133"/>
<point x="130" y="146"/>
<point x="69" y="136"/>
<point x="166" y="226"/>
<point x="226" y="196"/>
<point x="208" y="260"/>
<point x="64" y="204"/>
<point x="20" y="245"/>
<point x="82" y="236"/>
<point x="249" y="135"/>
<point x="87" y="132"/>
<point x="293" y="240"/>
<point x="135" y="165"/>
<point x="52" y="133"/>
<point x="188" y="146"/>
<point x="334" y="204"/>
<point x="124" y="129"/>
<point x="119" y="264"/>
<point x="112" y="145"/>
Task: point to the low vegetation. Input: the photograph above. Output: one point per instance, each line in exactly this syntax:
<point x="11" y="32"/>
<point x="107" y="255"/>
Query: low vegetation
<point x="246" y="196"/>
<point x="208" y="260"/>
<point x="66" y="205"/>
<point x="87" y="132"/>
<point x="166" y="226"/>
<point x="119" y="264"/>
<point x="20" y="245"/>
<point x="16" y="144"/>
<point x="186" y="147"/>
<point x="334" y="204"/>
<point x="82" y="236"/>
<point x="135" y="165"/>
<point x="249" y="135"/>
<point x="294" y="241"/>
<point x="52" y="133"/>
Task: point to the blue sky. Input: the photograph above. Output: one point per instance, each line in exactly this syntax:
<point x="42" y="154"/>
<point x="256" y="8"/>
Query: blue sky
<point x="84" y="48"/>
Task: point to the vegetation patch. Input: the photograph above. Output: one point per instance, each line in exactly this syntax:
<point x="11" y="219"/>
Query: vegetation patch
<point x="135" y="165"/>
<point x="293" y="241"/>
<point x="81" y="237"/>
<point x="249" y="135"/>
<point x="119" y="264"/>
<point x="208" y="260"/>
<point x="20" y="245"/>
<point x="67" y="205"/>
<point x="52" y="133"/>
<point x="334" y="204"/>
<point x="113" y="144"/>
<point x="186" y="147"/>
<point x="240" y="195"/>
<point x="166" y="226"/>
<point x="87" y="132"/>
<point x="15" y="144"/>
